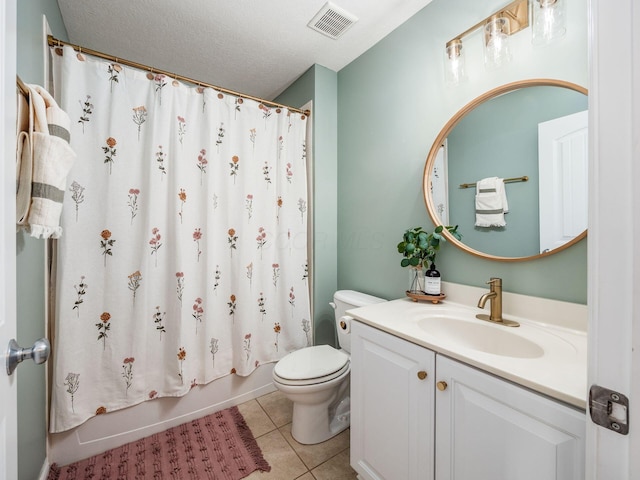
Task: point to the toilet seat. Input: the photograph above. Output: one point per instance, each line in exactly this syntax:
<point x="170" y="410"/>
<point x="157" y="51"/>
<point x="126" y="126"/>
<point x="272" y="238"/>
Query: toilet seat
<point x="311" y="365"/>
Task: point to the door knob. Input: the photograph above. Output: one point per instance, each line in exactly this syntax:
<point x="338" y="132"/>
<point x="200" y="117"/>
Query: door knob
<point x="422" y="374"/>
<point x="39" y="352"/>
<point x="442" y="386"/>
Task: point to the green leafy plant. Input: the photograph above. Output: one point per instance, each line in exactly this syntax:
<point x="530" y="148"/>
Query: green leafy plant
<point x="419" y="247"/>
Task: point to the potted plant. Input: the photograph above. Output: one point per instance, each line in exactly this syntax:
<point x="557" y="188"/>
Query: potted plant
<point x="419" y="249"/>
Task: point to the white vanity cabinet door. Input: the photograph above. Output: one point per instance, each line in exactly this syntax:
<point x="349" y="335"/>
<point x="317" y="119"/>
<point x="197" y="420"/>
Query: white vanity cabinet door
<point x="391" y="406"/>
<point x="490" y="429"/>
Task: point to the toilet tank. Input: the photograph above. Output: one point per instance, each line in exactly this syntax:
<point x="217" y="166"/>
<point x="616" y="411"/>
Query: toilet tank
<point x="344" y="300"/>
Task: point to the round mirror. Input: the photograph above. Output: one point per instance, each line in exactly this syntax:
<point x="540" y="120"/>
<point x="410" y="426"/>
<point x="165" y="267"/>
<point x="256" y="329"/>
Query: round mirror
<point x="528" y="139"/>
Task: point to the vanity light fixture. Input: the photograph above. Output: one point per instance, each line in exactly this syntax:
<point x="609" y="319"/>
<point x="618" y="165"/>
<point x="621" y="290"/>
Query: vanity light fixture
<point x="497" y="28"/>
<point x="548" y="21"/>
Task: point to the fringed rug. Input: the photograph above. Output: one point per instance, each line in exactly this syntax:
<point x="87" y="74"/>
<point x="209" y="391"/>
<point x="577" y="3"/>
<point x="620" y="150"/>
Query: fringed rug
<point x="219" y="446"/>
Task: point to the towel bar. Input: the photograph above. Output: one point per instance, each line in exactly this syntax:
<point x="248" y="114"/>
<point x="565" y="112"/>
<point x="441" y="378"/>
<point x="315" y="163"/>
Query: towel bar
<point x="506" y="180"/>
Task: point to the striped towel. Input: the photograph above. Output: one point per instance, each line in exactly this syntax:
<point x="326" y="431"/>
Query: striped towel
<point x="491" y="202"/>
<point x="44" y="160"/>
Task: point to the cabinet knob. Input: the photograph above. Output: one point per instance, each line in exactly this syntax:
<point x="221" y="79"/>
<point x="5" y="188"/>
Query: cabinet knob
<point x="442" y="386"/>
<point x="422" y="374"/>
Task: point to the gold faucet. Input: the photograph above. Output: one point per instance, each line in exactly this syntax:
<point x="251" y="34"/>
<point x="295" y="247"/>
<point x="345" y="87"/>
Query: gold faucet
<point x="495" y="297"/>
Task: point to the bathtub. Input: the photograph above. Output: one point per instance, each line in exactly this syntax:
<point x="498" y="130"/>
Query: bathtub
<point x="113" y="429"/>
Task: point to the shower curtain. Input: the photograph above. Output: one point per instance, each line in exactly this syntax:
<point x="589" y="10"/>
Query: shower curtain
<point x="183" y="256"/>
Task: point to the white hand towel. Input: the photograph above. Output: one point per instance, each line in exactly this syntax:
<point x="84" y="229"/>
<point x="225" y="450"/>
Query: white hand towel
<point x="45" y="163"/>
<point x="491" y="202"/>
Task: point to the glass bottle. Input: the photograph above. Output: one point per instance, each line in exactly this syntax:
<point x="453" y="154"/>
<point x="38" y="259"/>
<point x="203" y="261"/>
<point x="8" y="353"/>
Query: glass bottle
<point x="432" y="281"/>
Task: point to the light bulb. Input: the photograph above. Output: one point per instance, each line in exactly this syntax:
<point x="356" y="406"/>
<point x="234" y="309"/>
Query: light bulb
<point x="454" y="62"/>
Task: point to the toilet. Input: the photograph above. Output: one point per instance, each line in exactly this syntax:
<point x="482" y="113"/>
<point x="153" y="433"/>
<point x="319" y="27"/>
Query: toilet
<point x="316" y="379"/>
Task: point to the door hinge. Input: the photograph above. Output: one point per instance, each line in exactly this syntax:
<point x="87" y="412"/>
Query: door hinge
<point x="609" y="409"/>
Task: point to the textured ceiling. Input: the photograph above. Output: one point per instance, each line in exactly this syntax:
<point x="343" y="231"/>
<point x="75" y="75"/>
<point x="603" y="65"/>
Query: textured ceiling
<point x="257" y="47"/>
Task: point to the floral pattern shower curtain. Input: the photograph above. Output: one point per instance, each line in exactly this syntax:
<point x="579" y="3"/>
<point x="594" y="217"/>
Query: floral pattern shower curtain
<point x="184" y="248"/>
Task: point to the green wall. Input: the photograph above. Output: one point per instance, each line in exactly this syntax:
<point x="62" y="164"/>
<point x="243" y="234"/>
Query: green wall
<point x="30" y="259"/>
<point x="392" y="103"/>
<point x="319" y="84"/>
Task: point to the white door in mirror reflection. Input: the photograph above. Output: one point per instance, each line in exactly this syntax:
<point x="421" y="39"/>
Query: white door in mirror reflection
<point x="563" y="172"/>
<point x="439" y="184"/>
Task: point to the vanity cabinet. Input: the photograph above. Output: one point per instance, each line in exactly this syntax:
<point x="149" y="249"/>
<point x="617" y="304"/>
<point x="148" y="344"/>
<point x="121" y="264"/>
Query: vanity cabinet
<point x="488" y="429"/>
<point x="392" y="393"/>
<point x="457" y="423"/>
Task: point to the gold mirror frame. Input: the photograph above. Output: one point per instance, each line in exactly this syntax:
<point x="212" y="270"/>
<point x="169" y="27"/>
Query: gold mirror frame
<point x="444" y="133"/>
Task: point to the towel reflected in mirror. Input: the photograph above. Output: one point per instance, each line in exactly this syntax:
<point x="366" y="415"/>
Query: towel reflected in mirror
<point x="491" y="202"/>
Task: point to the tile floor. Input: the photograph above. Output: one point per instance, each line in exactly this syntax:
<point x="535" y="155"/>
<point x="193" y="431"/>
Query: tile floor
<point x="269" y="418"/>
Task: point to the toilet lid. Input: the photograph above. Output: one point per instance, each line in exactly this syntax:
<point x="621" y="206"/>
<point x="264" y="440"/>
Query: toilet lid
<point x="311" y="362"/>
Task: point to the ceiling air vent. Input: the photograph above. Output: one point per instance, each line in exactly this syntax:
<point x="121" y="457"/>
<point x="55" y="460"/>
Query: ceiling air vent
<point x="332" y="21"/>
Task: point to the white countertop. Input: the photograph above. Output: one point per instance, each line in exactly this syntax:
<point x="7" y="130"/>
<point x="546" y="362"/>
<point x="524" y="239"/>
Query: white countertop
<point x="558" y="370"/>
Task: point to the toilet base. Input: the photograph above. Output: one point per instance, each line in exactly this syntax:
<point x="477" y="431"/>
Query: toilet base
<point x="311" y="424"/>
<point x="320" y="411"/>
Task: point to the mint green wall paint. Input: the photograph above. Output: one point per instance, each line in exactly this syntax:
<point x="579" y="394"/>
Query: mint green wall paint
<point x="32" y="429"/>
<point x="320" y="85"/>
<point x="499" y="138"/>
<point x="392" y="103"/>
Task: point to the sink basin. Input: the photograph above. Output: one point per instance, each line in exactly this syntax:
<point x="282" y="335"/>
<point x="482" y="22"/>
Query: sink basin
<point x="480" y="336"/>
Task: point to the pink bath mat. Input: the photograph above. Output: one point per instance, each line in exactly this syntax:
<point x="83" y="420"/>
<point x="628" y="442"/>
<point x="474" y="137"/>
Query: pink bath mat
<point x="219" y="446"/>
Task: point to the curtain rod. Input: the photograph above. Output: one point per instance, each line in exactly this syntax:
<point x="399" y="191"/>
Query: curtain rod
<point x="52" y="41"/>
<point x="506" y="180"/>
